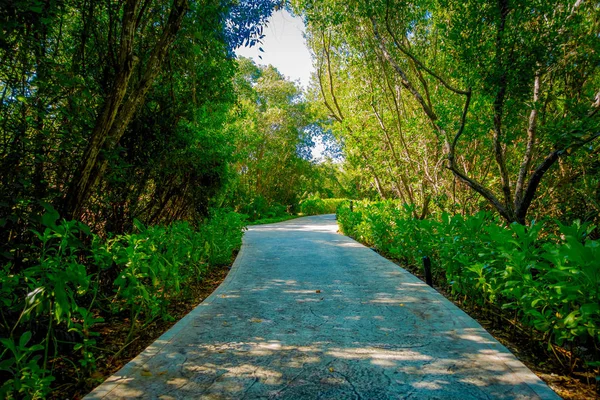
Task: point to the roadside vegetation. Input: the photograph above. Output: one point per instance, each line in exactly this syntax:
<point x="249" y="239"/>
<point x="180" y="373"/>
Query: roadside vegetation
<point x="542" y="280"/>
<point x="78" y="280"/>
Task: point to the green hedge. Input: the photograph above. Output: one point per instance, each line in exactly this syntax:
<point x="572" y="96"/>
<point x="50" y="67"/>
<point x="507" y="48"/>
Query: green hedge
<point x="550" y="282"/>
<point x="260" y="208"/>
<point x="315" y="206"/>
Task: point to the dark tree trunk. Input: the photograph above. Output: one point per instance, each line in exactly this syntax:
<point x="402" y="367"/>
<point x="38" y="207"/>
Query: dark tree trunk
<point x="118" y="110"/>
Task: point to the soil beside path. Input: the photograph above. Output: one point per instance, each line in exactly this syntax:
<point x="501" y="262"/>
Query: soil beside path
<point x="307" y="313"/>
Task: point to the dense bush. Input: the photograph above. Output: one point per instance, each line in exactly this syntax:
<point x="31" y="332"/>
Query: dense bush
<point x="315" y="206"/>
<point x="312" y="206"/>
<point x="71" y="279"/>
<point x="261" y="208"/>
<point x="549" y="281"/>
<point x="331" y="205"/>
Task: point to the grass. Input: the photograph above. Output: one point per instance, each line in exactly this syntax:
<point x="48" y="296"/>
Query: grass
<point x="274" y="220"/>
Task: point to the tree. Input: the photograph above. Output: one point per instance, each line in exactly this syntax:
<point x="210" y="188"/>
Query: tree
<point x="271" y="124"/>
<point x="75" y="75"/>
<point x="491" y="72"/>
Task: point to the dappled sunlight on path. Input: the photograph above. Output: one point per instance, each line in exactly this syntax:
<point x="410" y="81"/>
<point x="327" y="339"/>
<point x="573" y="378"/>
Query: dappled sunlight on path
<point x="308" y="313"/>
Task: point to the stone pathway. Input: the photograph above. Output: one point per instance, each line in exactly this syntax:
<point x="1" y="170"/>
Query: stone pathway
<point x="307" y="313"/>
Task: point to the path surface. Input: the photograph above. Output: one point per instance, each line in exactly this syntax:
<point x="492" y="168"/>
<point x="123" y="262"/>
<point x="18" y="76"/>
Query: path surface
<point x="307" y="313"/>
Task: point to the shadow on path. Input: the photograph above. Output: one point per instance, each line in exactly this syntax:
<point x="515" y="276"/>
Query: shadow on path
<point x="306" y="313"/>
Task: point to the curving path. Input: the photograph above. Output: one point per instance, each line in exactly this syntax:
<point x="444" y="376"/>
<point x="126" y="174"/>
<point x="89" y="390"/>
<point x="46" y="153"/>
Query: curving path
<point x="307" y="313"/>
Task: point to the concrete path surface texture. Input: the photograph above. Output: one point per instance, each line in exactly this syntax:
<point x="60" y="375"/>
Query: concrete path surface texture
<point x="307" y="313"/>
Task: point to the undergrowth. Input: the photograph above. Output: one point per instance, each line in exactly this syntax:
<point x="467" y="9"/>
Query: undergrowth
<point x="316" y="206"/>
<point x="57" y="288"/>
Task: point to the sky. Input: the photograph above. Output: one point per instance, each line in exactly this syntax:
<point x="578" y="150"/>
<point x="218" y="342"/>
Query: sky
<point x="284" y="48"/>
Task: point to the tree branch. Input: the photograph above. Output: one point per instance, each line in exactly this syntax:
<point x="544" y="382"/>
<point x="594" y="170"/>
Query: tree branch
<point x="483" y="191"/>
<point x="463" y="121"/>
<point x="531" y="133"/>
<point x="404" y="78"/>
<point x="338" y="118"/>
<point x="329" y="74"/>
<point x="421" y="65"/>
<point x="539" y="172"/>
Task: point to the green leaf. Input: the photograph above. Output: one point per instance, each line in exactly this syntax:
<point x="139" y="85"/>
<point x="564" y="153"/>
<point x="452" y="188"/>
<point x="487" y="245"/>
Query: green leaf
<point x="6" y="364"/>
<point x="139" y="225"/>
<point x="590" y="308"/>
<point x="9" y="344"/>
<point x="50" y="217"/>
<point x="24" y="339"/>
<point x="572" y="319"/>
<point x="36" y="347"/>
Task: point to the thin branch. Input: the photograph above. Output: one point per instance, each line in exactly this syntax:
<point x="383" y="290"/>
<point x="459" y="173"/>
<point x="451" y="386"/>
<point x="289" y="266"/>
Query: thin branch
<point x="539" y="172"/>
<point x="404" y="78"/>
<point x="531" y="135"/>
<point x="330" y="75"/>
<point x="403" y="179"/>
<point x="141" y="13"/>
<point x="421" y="65"/>
<point x="483" y="191"/>
<point x="333" y="114"/>
<point x="396" y="108"/>
<point x="463" y="121"/>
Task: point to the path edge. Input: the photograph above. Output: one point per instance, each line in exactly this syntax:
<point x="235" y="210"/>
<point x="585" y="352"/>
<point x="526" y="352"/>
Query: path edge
<point x="513" y="364"/>
<point x="125" y="373"/>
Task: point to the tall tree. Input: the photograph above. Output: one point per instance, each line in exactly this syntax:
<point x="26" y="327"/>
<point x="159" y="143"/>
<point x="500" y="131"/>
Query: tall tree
<point x="520" y="80"/>
<point x="120" y="102"/>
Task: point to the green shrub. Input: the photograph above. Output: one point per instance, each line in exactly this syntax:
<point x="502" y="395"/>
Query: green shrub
<point x="259" y="208"/>
<point x="276" y="210"/>
<point x="331" y="205"/>
<point x="222" y="235"/>
<point x="315" y="206"/>
<point x="73" y="276"/>
<point x="312" y="206"/>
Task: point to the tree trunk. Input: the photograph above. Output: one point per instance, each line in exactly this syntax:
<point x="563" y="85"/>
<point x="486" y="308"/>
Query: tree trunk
<point x="116" y="114"/>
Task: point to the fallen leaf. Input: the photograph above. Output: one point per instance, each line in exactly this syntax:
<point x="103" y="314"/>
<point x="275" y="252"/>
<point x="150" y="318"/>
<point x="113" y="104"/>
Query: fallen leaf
<point x="256" y="320"/>
<point x="97" y="375"/>
<point x="318" y="291"/>
<point x="331" y="369"/>
<point x="146" y="373"/>
<point x="401" y="304"/>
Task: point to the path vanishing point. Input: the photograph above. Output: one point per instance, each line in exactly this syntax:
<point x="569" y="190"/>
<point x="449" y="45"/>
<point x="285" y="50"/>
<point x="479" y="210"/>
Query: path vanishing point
<point x="307" y="313"/>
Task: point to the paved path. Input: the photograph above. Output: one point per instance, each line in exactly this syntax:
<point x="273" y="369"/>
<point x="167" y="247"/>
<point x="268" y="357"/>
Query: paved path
<point x="306" y="313"/>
